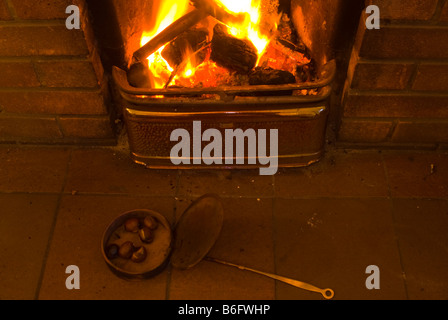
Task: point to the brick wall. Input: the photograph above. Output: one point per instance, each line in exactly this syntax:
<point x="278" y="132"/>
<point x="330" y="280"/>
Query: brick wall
<point x="397" y="88"/>
<point x="52" y="87"/>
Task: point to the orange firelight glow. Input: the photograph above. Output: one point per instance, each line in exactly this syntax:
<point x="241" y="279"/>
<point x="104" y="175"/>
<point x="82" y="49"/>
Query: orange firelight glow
<point x="166" y="14"/>
<point x="170" y="11"/>
<point x="250" y="28"/>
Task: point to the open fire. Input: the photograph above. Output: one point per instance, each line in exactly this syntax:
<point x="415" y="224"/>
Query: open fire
<point x="213" y="43"/>
<point x="232" y="66"/>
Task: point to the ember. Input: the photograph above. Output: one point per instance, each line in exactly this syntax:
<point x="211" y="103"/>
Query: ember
<point x="218" y="43"/>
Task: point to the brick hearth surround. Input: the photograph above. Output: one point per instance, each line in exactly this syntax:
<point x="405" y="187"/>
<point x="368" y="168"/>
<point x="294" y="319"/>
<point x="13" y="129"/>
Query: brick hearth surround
<point x="52" y="87"/>
<point x="397" y="88"/>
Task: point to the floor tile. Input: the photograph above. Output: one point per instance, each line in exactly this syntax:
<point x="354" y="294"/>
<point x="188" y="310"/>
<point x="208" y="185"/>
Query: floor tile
<point x="417" y="175"/>
<point x="324" y="225"/>
<point x="338" y="174"/>
<point x="81" y="223"/>
<point x="422" y="227"/>
<point x="244" y="183"/>
<point x="329" y="243"/>
<point x="32" y="169"/>
<point x="25" y="226"/>
<point x="106" y="171"/>
<point x="245" y="239"/>
<point x="211" y="281"/>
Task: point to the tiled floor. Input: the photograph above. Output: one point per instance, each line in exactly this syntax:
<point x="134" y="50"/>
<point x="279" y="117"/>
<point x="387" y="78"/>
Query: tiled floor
<point x="324" y="225"/>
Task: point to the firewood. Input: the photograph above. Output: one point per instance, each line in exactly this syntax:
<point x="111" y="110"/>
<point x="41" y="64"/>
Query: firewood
<point x="218" y="12"/>
<point x="140" y="76"/>
<point x="203" y="9"/>
<point x="181" y="48"/>
<point x="189" y="58"/>
<point x="232" y="53"/>
<point x="281" y="56"/>
<point x="269" y="76"/>
<point x="169" y="34"/>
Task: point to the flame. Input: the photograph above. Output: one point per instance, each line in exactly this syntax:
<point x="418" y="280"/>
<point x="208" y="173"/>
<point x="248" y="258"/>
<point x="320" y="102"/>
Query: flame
<point x="169" y="11"/>
<point x="250" y="28"/>
<point x="188" y="70"/>
<point x="166" y="14"/>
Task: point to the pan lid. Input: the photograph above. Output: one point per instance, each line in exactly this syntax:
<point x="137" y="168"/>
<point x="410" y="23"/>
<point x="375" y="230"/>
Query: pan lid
<point x="197" y="231"/>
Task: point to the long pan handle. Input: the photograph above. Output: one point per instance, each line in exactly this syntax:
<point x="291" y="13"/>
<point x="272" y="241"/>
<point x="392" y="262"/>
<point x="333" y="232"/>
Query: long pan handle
<point x="326" y="293"/>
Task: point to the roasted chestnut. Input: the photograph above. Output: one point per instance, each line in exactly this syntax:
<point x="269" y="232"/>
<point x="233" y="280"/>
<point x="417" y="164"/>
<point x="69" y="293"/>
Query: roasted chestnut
<point x="126" y="250"/>
<point x="146" y="235"/>
<point x="150" y="222"/>
<point x="112" y="251"/>
<point x="139" y="255"/>
<point x="132" y="225"/>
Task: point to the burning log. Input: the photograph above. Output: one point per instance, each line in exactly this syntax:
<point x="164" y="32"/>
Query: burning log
<point x="192" y="59"/>
<point x="281" y="55"/>
<point x="181" y="48"/>
<point x="232" y="53"/>
<point x="169" y="34"/>
<point x="219" y="13"/>
<point x="269" y="76"/>
<point x="140" y="76"/>
<point x="204" y="9"/>
<point x="138" y="73"/>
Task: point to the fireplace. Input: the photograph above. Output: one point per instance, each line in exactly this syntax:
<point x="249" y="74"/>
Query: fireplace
<point x="301" y="121"/>
<point x="298" y="110"/>
<point x="389" y="89"/>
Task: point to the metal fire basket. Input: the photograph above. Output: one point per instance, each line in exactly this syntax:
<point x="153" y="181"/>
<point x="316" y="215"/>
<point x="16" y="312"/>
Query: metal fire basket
<point x="301" y="120"/>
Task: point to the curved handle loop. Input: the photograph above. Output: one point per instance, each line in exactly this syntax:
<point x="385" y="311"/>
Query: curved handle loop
<point x="327" y="293"/>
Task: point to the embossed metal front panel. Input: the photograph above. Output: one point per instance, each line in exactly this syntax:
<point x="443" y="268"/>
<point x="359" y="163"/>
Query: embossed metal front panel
<point x="152" y="115"/>
<point x="301" y="132"/>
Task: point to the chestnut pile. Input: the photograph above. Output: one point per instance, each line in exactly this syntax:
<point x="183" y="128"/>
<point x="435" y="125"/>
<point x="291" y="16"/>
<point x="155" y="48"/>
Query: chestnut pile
<point x="145" y="229"/>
